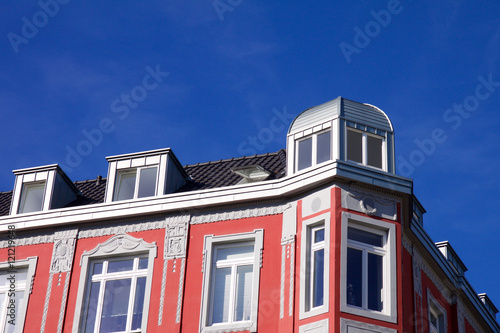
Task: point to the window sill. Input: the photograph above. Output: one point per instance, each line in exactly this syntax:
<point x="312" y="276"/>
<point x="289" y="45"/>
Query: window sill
<point x="230" y="328"/>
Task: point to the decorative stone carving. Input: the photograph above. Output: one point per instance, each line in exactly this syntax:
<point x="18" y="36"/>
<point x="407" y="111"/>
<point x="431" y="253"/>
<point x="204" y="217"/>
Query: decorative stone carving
<point x="176" y="238"/>
<point x="64" y="248"/>
<point x="238" y="214"/>
<point x="122" y="242"/>
<point x="369" y="204"/>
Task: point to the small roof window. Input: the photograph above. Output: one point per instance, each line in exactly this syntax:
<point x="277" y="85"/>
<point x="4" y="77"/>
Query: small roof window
<point x="251" y="173"/>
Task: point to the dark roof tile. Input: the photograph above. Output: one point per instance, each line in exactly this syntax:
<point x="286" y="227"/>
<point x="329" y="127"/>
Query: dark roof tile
<point x="203" y="176"/>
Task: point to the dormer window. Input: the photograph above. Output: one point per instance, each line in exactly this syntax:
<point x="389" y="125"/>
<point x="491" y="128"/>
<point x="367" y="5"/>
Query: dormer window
<point x="365" y="148"/>
<point x="136" y="183"/>
<point x="32" y="197"/>
<point x="313" y="149"/>
<point x="143" y="174"/>
<point x="41" y="188"/>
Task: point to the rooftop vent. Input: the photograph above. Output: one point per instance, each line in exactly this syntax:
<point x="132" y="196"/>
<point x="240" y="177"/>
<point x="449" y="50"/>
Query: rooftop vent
<point x="251" y="173"/>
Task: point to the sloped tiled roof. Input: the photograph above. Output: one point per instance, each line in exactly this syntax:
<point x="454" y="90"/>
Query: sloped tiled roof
<point x="202" y="176"/>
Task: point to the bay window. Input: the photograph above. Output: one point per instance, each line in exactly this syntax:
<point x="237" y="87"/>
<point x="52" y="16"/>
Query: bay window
<point x="368" y="275"/>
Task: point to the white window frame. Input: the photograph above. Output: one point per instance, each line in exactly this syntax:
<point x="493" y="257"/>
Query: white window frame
<point x="389" y="296"/>
<point x="20" y="312"/>
<point x="433" y="307"/>
<point x="121" y="246"/>
<point x="306" y="263"/>
<point x="314" y="148"/>
<point x="364" y="148"/>
<point x="211" y="242"/>
<point x="121" y="172"/>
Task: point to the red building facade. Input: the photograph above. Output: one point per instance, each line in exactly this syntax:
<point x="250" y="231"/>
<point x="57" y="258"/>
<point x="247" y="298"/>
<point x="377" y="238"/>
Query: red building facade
<point x="322" y="237"/>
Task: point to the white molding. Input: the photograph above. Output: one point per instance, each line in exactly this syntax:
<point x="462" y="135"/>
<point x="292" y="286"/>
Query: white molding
<point x="176" y="233"/>
<point x="122" y="229"/>
<point x="432" y="302"/>
<point x="320" y="326"/>
<point x="345" y="324"/>
<point x="179" y="292"/>
<point x="282" y="281"/>
<point x="370" y="204"/>
<point x="195" y="200"/>
<point x="420" y="262"/>
<point x="33" y="240"/>
<point x="46" y="304"/>
<point x="238" y="214"/>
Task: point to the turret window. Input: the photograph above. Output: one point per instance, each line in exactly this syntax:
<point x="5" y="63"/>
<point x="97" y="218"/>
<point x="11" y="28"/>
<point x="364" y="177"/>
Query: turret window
<point x="365" y="148"/>
<point x="314" y="149"/>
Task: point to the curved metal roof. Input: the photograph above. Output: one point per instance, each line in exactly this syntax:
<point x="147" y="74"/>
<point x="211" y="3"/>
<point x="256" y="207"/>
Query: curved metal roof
<point x="365" y="114"/>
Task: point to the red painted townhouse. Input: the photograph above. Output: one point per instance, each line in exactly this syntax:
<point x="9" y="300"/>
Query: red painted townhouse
<point x="320" y="237"/>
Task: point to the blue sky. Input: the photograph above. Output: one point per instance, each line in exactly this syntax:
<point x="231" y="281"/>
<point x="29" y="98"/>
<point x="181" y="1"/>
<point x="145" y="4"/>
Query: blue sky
<point x="205" y="77"/>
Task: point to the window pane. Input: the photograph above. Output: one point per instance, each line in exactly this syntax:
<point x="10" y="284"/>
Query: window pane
<point x="319" y="235"/>
<point x="365" y="237"/>
<point x="120" y="265"/>
<point x="375" y="282"/>
<point x="138" y="303"/>
<point x="147" y="182"/>
<point x="324" y="147"/>
<point x="221" y="292"/>
<point x="354" y="277"/>
<point x="237" y="252"/>
<point x="243" y="293"/>
<point x="32" y="197"/>
<point x="89" y="314"/>
<point x="304" y="154"/>
<point x="97" y="268"/>
<point x="125" y="185"/>
<point x="354" y="146"/>
<point x="143" y="263"/>
<point x="374" y="147"/>
<point x="115" y="306"/>
<point x="318" y="278"/>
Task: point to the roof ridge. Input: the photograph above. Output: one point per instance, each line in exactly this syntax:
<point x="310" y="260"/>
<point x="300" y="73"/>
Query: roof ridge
<point x="235" y="158"/>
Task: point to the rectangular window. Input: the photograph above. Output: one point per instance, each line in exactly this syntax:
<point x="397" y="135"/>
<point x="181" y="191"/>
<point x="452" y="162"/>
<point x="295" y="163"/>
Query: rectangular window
<point x="314" y="274"/>
<point x="115" y="286"/>
<point x="304" y="154"/>
<point x="324" y="147"/>
<point x="15" y="291"/>
<point x="437" y="315"/>
<point x="365" y="260"/>
<point x="368" y="274"/>
<point x="314" y="149"/>
<point x="32" y="197"/>
<point x="365" y="148"/>
<point x="135" y="183"/>
<point x="115" y="295"/>
<point x="354" y="146"/>
<point x="231" y="282"/>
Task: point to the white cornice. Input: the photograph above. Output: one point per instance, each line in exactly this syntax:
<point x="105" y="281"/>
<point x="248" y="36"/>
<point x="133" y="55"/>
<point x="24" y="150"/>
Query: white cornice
<point x="195" y="200"/>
